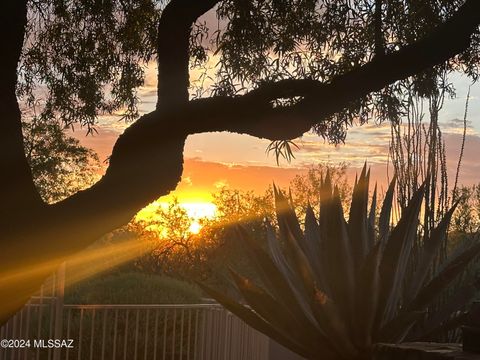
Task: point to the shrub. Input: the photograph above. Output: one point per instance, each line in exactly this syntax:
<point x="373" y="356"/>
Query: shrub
<point x="132" y="288"/>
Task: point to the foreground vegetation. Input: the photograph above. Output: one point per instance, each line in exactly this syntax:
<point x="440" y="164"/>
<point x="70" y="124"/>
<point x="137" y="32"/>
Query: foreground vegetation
<point x="338" y="287"/>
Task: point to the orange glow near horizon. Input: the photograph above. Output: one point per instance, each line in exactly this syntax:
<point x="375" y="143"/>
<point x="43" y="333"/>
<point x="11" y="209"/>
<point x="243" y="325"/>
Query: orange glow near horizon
<point x="195" y="210"/>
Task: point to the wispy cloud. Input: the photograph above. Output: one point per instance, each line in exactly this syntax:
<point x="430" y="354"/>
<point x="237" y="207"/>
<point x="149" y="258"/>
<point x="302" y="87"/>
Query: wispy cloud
<point x="456" y="126"/>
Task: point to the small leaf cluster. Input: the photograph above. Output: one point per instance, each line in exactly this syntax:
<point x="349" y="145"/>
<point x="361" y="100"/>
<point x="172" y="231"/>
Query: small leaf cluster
<point x="88" y="55"/>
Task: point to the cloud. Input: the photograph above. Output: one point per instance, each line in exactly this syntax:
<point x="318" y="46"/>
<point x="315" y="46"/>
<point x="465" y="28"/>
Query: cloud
<point x="188" y="181"/>
<point x="369" y="142"/>
<point x="208" y="177"/>
<point x="241" y="162"/>
<point x="220" y="184"/>
<point x="456" y="126"/>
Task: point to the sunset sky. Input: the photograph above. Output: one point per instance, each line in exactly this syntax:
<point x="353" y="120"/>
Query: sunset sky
<point x="213" y="160"/>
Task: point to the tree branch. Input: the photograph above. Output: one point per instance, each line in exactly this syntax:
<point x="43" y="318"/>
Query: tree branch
<point x="174" y="30"/>
<point x="147" y="159"/>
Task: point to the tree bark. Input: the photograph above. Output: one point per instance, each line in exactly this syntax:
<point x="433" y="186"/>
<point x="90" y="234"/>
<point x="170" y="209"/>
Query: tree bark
<point x="17" y="190"/>
<point x="174" y="30"/>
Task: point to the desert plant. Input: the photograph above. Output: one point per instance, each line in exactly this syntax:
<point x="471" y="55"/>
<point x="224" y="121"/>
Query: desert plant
<point x="334" y="289"/>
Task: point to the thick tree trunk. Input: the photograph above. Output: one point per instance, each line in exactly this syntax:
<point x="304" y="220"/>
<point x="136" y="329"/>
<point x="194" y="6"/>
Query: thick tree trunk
<point x="17" y="191"/>
<point x="20" y="202"/>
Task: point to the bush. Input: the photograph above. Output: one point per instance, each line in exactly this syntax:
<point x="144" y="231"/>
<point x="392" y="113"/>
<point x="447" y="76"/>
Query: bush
<point x="132" y="288"/>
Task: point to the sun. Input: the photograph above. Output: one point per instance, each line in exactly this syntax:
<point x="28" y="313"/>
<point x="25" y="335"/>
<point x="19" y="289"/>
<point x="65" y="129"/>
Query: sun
<point x="195" y="227"/>
<point x="195" y="210"/>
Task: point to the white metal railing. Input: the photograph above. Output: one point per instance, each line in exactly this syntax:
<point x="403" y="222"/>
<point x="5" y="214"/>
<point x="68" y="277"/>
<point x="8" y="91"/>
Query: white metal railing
<point x="192" y="332"/>
<point x="36" y="320"/>
<point x="163" y="332"/>
<point x="129" y="332"/>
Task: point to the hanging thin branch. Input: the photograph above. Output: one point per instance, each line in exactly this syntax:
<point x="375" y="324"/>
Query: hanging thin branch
<point x="462" y="148"/>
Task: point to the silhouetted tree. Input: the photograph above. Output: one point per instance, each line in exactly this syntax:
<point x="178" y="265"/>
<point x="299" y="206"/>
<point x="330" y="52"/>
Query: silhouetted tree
<point x="60" y="165"/>
<point x="305" y="188"/>
<point x="284" y="67"/>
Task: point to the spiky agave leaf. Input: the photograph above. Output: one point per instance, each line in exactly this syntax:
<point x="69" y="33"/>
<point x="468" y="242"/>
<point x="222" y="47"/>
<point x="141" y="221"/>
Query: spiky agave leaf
<point x="320" y="307"/>
<point x="286" y="217"/>
<point x="257" y="322"/>
<point x="427" y="253"/>
<point x="281" y="318"/>
<point x="300" y="264"/>
<point x="396" y="330"/>
<point x="334" y="325"/>
<point x="336" y="258"/>
<point x="283" y="265"/>
<point x="279" y="279"/>
<point x="311" y="278"/>
<point x="451" y="323"/>
<point x="386" y="213"/>
<point x="371" y="221"/>
<point x="272" y="310"/>
<point x="300" y="253"/>
<point x="327" y="314"/>
<point x="452" y="269"/>
<point x="358" y="220"/>
<point x="430" y="291"/>
<point x="368" y="282"/>
<point x="313" y="244"/>
<point x="442" y="318"/>
<point x="395" y="257"/>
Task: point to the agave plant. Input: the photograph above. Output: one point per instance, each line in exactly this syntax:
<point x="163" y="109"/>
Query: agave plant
<point x="334" y="289"/>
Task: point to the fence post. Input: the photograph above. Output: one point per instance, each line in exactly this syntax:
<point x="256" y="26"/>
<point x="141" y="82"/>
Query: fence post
<point x="59" y="297"/>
